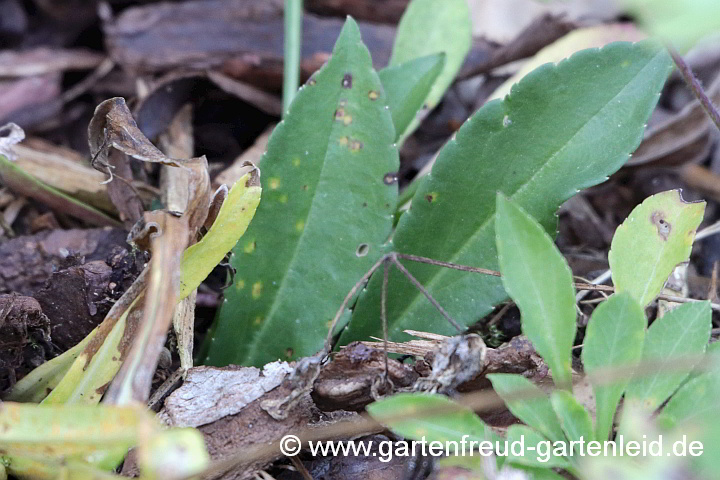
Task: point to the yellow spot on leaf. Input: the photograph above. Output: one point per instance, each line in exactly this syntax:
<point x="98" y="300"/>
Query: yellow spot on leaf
<point x="257" y="289"/>
<point x="300" y="225"/>
<point x="373" y="95"/>
<point x="343" y="141"/>
<point x="296" y="162"/>
<point x="274" y="183"/>
<point x="347" y="119"/>
<point x="283" y="198"/>
<point x="240" y="284"/>
<point x="258" y="321"/>
<point x="249" y="247"/>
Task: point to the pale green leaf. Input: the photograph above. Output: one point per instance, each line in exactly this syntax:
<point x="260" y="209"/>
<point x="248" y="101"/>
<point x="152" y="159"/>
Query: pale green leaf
<point x="648" y="245"/>
<point x="697" y="399"/>
<point x="538" y="279"/>
<point x="328" y="198"/>
<point x="428" y="27"/>
<point x="407" y="86"/>
<point x="680" y="22"/>
<point x="537" y="452"/>
<point x="230" y="224"/>
<point x="423" y="419"/>
<point x="528" y="403"/>
<point x="98" y="434"/>
<point x="574" y="419"/>
<point x="682" y="332"/>
<point x="614" y="338"/>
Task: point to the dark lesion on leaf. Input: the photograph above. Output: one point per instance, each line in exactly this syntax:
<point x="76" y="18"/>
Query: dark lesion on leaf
<point x="347" y="81"/>
<point x="664" y="227"/>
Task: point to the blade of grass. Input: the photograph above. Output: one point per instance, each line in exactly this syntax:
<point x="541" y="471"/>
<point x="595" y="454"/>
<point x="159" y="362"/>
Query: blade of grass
<point x="293" y="41"/>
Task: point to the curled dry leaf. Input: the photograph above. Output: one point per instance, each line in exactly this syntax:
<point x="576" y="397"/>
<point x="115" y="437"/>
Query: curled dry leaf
<point x="134" y="379"/>
<point x="113" y="127"/>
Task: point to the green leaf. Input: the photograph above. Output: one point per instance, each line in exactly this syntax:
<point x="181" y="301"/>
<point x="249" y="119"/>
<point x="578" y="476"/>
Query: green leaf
<point x="564" y="127"/>
<point x="683" y="331"/>
<point x="407" y="86"/>
<point x="578" y="39"/>
<point x="574" y="419"/>
<point x="456" y="423"/>
<point x="614" y="337"/>
<point x="325" y="215"/>
<point x="538" y="279"/>
<point x="537" y="452"/>
<point x="648" y="245"/>
<point x="696" y="400"/>
<point x="682" y="23"/>
<point x="532" y="407"/>
<point x="429" y="27"/>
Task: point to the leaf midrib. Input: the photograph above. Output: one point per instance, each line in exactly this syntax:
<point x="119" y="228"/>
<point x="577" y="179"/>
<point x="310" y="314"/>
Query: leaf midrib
<point x="270" y="319"/>
<point x="470" y="241"/>
<point x="680" y="339"/>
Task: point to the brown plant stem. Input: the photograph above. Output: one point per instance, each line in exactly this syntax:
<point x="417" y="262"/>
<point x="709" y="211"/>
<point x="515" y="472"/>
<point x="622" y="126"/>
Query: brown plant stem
<point x="695" y="85"/>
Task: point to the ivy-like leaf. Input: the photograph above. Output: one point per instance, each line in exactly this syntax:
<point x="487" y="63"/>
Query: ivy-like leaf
<point x="683" y="331"/>
<point x="329" y="192"/>
<point x="407" y="86"/>
<point x="456" y="425"/>
<point x="564" y="127"/>
<point x="536" y="411"/>
<point x="656" y="236"/>
<point x="614" y="337"/>
<point x="539" y="280"/>
<point x="429" y="27"/>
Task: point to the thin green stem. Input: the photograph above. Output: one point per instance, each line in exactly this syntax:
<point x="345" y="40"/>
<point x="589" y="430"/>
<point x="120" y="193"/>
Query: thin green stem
<point x="293" y="39"/>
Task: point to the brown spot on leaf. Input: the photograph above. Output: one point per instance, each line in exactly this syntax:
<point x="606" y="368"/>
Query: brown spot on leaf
<point x="347" y="81"/>
<point x="657" y="218"/>
<point x="356" y="145"/>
